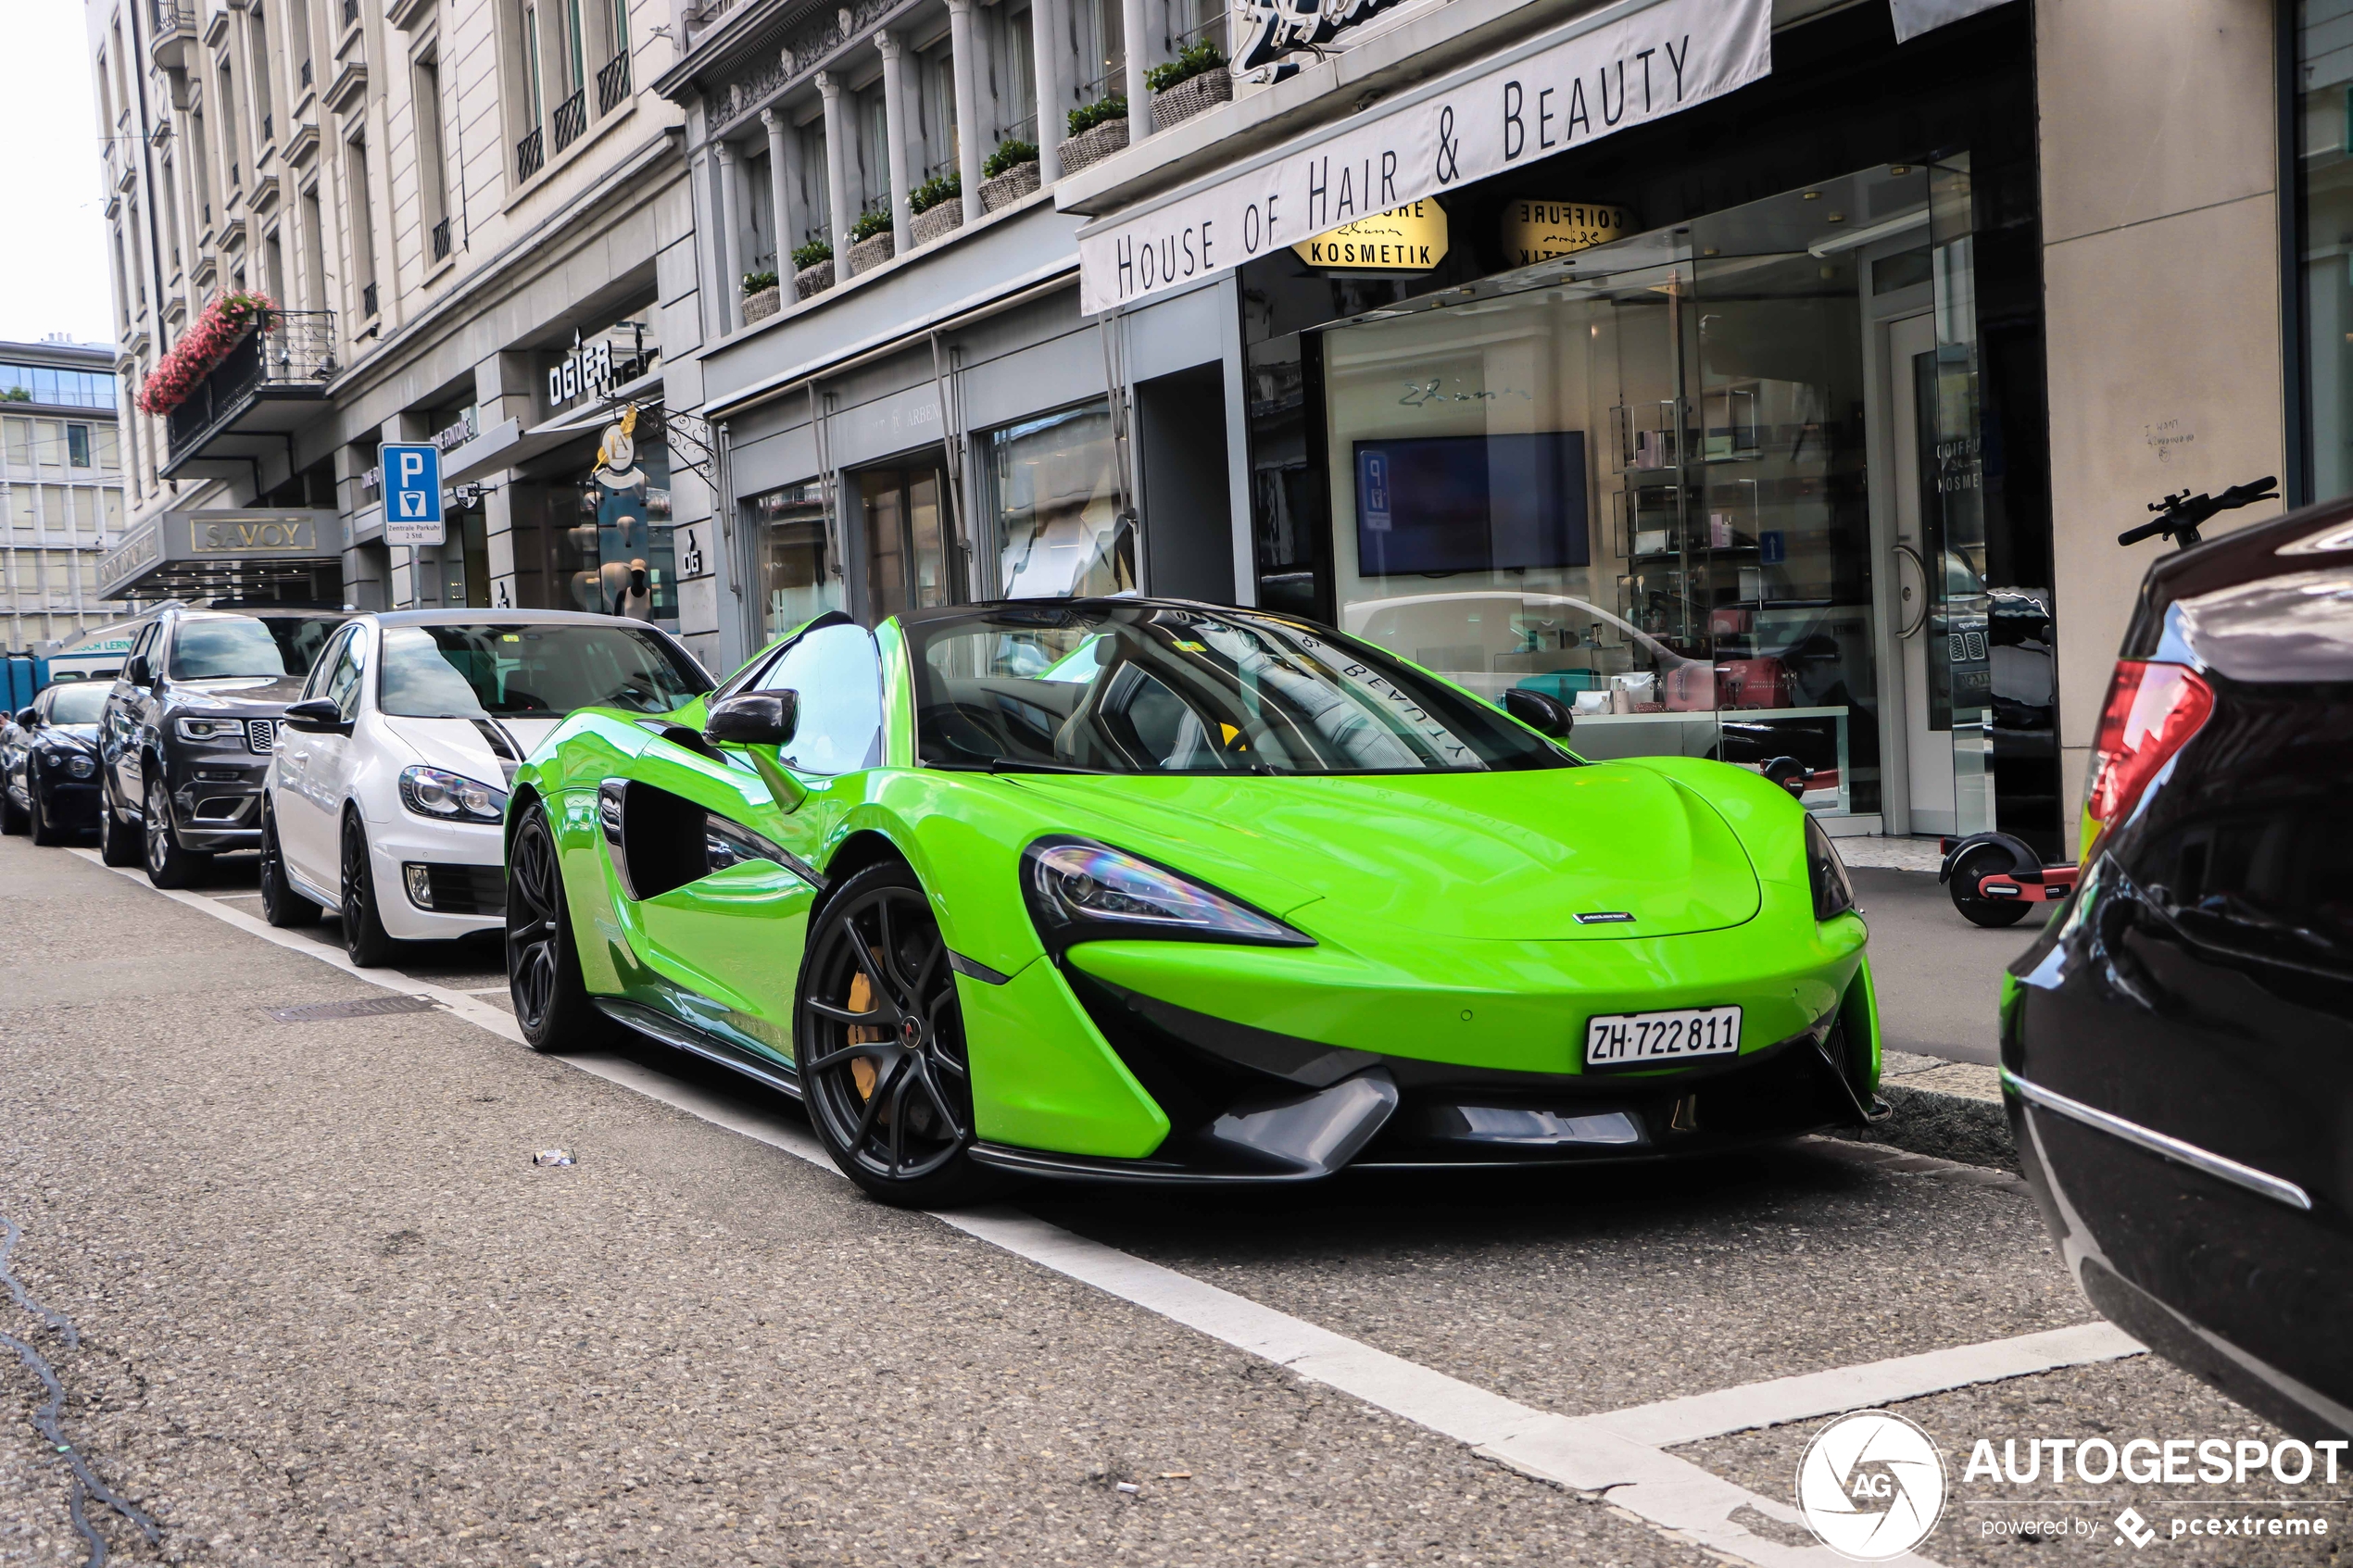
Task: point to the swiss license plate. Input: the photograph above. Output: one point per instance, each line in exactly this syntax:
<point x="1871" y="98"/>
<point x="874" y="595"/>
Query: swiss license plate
<point x="1629" y="1039"/>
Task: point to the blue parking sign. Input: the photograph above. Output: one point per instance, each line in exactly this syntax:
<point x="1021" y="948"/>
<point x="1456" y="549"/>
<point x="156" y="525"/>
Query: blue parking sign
<point x="412" y="494"/>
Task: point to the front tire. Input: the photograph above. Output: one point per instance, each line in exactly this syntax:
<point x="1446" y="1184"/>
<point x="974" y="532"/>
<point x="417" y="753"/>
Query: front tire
<point x="45" y="829"/>
<point x="12" y="816"/>
<point x="552" y="1003"/>
<point x="117" y="847"/>
<point x="168" y="864"/>
<point x="880" y="1041"/>
<point x="364" y="938"/>
<point x="281" y="905"/>
<point x="1986" y="860"/>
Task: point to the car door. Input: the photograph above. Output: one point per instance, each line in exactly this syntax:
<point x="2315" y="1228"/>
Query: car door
<point x="735" y="933"/>
<point x="127" y="709"/>
<point x="303" y="834"/>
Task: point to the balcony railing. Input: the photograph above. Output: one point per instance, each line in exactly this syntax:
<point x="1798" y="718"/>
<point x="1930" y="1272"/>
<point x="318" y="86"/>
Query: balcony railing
<point x="612" y="83"/>
<point x="350" y="12"/>
<point x="305" y="74"/>
<point x="571" y="119"/>
<point x="294" y="353"/>
<point x="269" y="136"/>
<point x="174" y="15"/>
<point x="531" y="156"/>
<point x="441" y="240"/>
<point x="368" y="301"/>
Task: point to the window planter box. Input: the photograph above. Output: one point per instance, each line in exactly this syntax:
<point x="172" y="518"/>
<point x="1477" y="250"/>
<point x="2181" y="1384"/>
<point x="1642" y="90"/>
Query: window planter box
<point x="1009" y="186"/>
<point x="766" y="302"/>
<point x="933" y="221"/>
<point x="1191" y="95"/>
<point x="867" y="255"/>
<point x="812" y="280"/>
<point x="1093" y="146"/>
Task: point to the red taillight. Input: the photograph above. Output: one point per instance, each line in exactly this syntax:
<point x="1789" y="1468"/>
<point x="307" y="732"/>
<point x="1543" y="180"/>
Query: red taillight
<point x="2153" y="709"/>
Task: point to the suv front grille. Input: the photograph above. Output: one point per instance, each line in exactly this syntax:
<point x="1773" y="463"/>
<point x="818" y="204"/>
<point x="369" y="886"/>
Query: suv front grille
<point x="261" y="736"/>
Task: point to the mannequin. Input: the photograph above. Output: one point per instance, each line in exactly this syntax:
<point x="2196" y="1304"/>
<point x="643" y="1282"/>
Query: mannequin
<point x="628" y="590"/>
<point x="620" y="492"/>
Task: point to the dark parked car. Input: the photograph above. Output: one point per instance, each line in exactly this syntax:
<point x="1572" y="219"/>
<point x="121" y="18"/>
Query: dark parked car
<point x="49" y="763"/>
<point x="187" y="731"/>
<point x="2177" y="1048"/>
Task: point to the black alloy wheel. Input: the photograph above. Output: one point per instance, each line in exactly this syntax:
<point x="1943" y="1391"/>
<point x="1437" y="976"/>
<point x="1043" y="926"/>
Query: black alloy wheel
<point x="552" y="1003"/>
<point x="364" y="938"/>
<point x="880" y="1043"/>
<point x="1986" y="860"/>
<point x="168" y="864"/>
<point x="116" y="844"/>
<point x="281" y="905"/>
<point x="45" y="830"/>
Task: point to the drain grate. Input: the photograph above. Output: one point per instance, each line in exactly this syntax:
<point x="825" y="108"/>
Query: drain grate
<point x="366" y="1006"/>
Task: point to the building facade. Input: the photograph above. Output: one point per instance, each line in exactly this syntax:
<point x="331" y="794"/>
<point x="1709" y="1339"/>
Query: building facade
<point x="61" y="485"/>
<point x="1768" y="379"/>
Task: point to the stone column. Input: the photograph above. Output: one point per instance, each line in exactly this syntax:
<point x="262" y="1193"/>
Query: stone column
<point x="782" y="189"/>
<point x="731" y="241"/>
<point x="838" y="170"/>
<point x="894" y="137"/>
<point x="964" y="49"/>
<point x="1046" y="25"/>
<point x="1140" y="55"/>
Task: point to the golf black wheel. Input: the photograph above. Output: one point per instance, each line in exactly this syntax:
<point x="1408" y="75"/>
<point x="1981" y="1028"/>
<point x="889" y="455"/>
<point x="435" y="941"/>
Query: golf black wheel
<point x="551" y="1001"/>
<point x="1986" y="860"/>
<point x="364" y="938"/>
<point x="168" y="864"/>
<point x="880" y="1043"/>
<point x="42" y="826"/>
<point x="117" y="846"/>
<point x="281" y="905"/>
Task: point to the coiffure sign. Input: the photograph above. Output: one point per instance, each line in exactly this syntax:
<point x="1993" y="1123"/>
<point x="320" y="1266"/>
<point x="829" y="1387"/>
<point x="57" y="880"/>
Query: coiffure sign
<point x="1624" y="65"/>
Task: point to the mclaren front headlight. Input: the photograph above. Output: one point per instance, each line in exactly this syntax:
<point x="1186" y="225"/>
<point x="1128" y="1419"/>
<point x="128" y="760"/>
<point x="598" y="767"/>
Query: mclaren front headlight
<point x="1834" y="893"/>
<point x="1080" y="891"/>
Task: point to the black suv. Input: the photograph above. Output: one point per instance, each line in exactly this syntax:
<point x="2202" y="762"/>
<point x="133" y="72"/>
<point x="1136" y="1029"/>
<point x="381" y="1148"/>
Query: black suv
<point x="187" y="731"/>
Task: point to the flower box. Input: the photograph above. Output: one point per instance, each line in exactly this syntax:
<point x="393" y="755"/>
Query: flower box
<point x="1190" y="96"/>
<point x="934" y="222"/>
<point x="1009" y="186"/>
<point x="766" y="302"/>
<point x="1094" y="144"/>
<point x="813" y="280"/>
<point x="867" y="255"/>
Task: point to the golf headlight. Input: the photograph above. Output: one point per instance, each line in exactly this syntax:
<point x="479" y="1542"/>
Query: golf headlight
<point x="452" y="797"/>
<point x="1833" y="894"/>
<point x="212" y="729"/>
<point x="1080" y="891"/>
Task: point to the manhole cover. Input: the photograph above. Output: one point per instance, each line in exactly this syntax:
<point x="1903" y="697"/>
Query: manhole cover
<point x="366" y="1006"/>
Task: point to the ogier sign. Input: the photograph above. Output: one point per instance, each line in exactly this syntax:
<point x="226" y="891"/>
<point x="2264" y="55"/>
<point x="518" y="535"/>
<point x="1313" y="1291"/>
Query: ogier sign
<point x="1624" y="65"/>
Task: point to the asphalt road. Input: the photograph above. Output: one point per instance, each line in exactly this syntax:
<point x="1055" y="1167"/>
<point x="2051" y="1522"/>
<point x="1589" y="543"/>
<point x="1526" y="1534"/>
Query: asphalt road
<point x="328" y="1311"/>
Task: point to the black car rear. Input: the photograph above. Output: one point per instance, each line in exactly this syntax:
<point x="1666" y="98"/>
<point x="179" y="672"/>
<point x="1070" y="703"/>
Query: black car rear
<point x="2177" y="1048"/>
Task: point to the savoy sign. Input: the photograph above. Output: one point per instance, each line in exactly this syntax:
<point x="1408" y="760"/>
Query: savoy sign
<point x="1582" y="81"/>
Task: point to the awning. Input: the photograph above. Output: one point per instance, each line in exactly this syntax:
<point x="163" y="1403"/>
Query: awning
<point x="509" y="445"/>
<point x="1623" y="66"/>
<point x="222" y="552"/>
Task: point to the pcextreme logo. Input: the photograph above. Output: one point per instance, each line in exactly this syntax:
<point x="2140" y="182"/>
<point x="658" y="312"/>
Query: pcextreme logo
<point x="1871" y="1485"/>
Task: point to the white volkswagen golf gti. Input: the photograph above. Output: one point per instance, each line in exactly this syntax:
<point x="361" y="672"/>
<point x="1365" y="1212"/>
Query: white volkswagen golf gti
<point x="386" y="794"/>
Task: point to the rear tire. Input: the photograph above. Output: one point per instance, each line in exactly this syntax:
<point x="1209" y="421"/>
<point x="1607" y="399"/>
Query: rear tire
<point x="281" y="905"/>
<point x="117" y="846"/>
<point x="364" y="938"/>
<point x="891" y="1100"/>
<point x="552" y="1003"/>
<point x="1986" y="860"/>
<point x="168" y="864"/>
<point x="45" y="829"/>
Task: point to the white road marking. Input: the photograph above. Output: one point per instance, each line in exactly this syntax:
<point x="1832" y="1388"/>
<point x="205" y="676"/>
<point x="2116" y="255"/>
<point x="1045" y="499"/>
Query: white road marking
<point x="1619" y="1453"/>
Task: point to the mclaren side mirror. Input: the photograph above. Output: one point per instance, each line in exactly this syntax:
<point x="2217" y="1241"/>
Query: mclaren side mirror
<point x="1541" y="712"/>
<point x="754" y="719"/>
<point x="320" y="716"/>
<point x="29" y="718"/>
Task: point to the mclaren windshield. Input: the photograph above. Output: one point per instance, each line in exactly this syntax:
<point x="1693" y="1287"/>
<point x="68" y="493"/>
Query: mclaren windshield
<point x="1130" y="687"/>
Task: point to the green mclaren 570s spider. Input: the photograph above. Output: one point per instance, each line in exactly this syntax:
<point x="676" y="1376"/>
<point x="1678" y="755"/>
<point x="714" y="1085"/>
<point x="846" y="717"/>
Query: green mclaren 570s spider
<point x="1142" y="890"/>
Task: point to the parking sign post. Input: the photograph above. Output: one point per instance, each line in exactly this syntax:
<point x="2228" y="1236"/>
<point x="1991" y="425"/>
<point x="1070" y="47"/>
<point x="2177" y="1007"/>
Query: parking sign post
<point x="412" y="501"/>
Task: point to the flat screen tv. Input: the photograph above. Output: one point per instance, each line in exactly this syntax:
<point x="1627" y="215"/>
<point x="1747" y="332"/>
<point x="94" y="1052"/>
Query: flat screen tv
<point x="1471" y="502"/>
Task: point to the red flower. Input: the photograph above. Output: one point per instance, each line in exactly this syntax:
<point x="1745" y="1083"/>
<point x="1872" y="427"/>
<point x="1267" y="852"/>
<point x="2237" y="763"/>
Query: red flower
<point x="218" y="327"/>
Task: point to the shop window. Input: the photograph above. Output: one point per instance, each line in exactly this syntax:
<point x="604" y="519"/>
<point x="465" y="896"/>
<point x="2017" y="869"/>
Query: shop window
<point x="905" y="535"/>
<point x="799" y="577"/>
<point x="2324" y="232"/>
<point x="1058" y="526"/>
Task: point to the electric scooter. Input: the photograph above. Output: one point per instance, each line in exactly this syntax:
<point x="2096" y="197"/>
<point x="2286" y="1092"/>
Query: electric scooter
<point x="1994" y="877"/>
